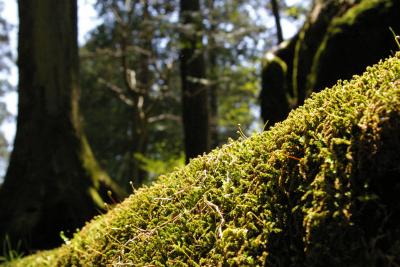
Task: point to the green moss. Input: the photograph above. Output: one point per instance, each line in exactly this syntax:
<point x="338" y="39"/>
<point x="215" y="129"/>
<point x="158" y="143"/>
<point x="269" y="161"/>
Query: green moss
<point x="319" y="189"/>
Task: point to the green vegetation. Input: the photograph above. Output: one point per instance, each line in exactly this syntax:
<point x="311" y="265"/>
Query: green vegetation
<point x="318" y="189"/>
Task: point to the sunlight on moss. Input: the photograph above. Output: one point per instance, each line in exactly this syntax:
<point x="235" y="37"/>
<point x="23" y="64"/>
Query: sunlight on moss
<point x="316" y="188"/>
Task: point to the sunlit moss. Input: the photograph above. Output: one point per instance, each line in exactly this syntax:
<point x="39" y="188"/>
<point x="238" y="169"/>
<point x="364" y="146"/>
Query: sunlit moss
<point x="319" y="189"/>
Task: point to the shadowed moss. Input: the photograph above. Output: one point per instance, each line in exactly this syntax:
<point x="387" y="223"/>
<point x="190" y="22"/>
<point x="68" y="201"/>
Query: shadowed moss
<point x="318" y="189"/>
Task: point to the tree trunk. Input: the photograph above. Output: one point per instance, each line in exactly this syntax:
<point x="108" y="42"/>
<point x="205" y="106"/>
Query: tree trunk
<point x="53" y="182"/>
<point x="275" y="11"/>
<point x="194" y="92"/>
<point x="213" y="77"/>
<point x="310" y="37"/>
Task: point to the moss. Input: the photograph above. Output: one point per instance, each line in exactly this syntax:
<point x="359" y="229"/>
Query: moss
<point x="318" y="189"/>
<point x="355" y="40"/>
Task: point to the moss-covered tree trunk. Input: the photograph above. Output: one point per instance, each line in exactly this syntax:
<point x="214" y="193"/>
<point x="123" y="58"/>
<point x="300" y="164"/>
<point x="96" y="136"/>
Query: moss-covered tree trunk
<point x="53" y="182"/>
<point x="194" y="92"/>
<point x="354" y="40"/>
<point x="310" y="37"/>
<point x="339" y="39"/>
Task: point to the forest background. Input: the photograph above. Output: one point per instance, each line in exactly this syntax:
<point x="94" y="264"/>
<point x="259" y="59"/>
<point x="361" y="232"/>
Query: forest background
<point x="252" y="22"/>
<point x="157" y="83"/>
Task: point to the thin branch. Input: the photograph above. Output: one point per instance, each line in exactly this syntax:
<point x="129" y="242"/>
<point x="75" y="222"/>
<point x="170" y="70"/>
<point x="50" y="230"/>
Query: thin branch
<point x="118" y="91"/>
<point x="212" y="205"/>
<point x="162" y="117"/>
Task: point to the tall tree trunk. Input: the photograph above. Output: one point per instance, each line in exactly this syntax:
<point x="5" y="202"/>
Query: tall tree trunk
<point x="194" y="92"/>
<point x="275" y="11"/>
<point x="53" y="182"/>
<point x="213" y="77"/>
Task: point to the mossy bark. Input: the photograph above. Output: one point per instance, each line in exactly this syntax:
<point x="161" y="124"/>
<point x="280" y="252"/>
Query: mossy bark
<point x="355" y="40"/>
<point x="53" y="182"/>
<point x="277" y="96"/>
<point x="310" y="38"/>
<point x="339" y="39"/>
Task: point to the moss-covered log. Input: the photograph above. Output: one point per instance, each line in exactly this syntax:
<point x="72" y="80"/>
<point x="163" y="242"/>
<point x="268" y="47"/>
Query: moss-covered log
<point x="53" y="182"/>
<point x="318" y="189"/>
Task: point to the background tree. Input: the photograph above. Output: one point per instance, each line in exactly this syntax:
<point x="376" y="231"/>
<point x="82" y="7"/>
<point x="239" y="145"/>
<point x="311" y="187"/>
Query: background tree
<point x="277" y="17"/>
<point x="130" y="92"/>
<point x="53" y="182"/>
<point x="195" y="105"/>
<point x="234" y="37"/>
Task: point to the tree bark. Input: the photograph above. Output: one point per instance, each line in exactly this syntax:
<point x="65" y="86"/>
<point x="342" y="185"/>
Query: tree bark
<point x="53" y="182"/>
<point x="310" y="38"/>
<point x="275" y="11"/>
<point x="195" y="106"/>
<point x="213" y="77"/>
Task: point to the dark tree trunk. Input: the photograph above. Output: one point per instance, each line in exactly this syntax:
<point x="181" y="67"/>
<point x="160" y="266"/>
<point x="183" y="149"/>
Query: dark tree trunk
<point x="53" y="182"/>
<point x="194" y="92"/>
<point x="310" y="38"/>
<point x="212" y="76"/>
<point x="275" y="11"/>
<point x="359" y="39"/>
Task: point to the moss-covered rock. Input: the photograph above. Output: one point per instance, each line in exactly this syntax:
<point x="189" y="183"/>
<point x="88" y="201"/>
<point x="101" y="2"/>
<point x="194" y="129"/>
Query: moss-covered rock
<point x="319" y="189"/>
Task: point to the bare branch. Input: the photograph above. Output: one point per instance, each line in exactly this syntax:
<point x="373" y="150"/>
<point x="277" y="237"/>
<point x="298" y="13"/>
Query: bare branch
<point x="118" y="91"/>
<point x="165" y="117"/>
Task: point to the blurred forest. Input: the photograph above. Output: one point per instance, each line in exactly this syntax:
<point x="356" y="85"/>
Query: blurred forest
<point x="160" y="82"/>
<point x="131" y="101"/>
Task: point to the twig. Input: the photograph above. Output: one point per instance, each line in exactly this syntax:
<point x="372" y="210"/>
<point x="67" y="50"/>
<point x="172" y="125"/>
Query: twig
<point x="210" y="204"/>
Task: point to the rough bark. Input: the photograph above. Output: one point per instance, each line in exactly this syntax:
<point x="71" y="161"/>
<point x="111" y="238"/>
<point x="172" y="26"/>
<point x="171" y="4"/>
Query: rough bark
<point x="53" y="182"/>
<point x="195" y="106"/>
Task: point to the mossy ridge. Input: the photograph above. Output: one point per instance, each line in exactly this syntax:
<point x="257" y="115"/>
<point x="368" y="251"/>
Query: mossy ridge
<point x="294" y="195"/>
